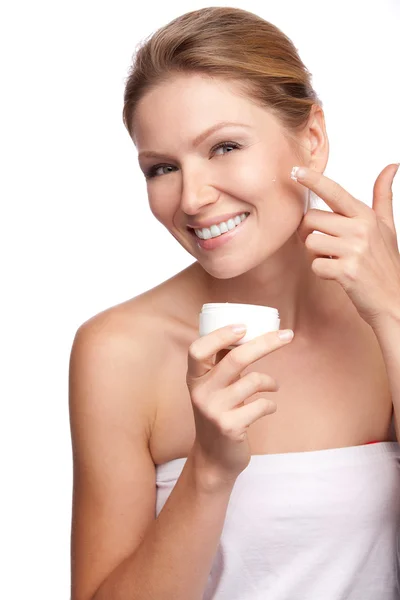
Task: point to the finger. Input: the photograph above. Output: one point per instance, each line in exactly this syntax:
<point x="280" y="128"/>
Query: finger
<point x="235" y="422"/>
<point x="230" y="367"/>
<point x="336" y="197"/>
<point x="325" y="222"/>
<point x="326" y="245"/>
<point x="327" y="268"/>
<point x="382" y="203"/>
<point x="248" y="385"/>
<point x="201" y="354"/>
<point x="221" y="354"/>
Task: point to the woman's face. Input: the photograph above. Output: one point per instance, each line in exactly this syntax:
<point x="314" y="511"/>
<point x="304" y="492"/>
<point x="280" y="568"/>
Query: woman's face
<point x="191" y="183"/>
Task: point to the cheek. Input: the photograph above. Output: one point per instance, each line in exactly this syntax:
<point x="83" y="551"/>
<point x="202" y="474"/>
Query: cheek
<point x="156" y="209"/>
<point x="247" y="181"/>
<point x="278" y="200"/>
<point x="161" y="205"/>
<point x="257" y="181"/>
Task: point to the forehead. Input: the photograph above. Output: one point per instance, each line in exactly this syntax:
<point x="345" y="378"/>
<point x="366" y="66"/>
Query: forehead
<point x="186" y="105"/>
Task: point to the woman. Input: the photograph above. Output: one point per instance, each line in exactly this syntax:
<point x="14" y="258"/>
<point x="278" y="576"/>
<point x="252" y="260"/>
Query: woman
<point x="201" y="472"/>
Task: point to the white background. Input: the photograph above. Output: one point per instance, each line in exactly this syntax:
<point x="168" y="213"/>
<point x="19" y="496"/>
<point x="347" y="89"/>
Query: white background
<point x="77" y="235"/>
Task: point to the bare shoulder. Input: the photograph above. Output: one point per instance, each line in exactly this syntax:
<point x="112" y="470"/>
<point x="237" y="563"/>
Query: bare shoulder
<point x="136" y="345"/>
<point x="128" y="340"/>
<point x="116" y="360"/>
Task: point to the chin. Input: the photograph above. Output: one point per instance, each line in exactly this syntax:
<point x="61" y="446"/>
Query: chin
<point x="230" y="266"/>
<point x="228" y="270"/>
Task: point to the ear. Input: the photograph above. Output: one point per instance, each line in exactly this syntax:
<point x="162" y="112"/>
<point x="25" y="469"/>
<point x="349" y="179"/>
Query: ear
<point x="316" y="140"/>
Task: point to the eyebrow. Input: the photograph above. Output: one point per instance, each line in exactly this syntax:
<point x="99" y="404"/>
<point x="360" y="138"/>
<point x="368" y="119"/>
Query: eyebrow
<point x="199" y="139"/>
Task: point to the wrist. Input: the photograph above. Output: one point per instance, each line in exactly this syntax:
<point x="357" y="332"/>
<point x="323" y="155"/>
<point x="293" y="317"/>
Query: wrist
<point x="207" y="478"/>
<point x="389" y="318"/>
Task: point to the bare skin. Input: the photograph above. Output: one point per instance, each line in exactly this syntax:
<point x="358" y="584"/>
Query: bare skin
<point x="334" y="390"/>
<point x="130" y="405"/>
<point x="129" y="418"/>
<point x="333" y="384"/>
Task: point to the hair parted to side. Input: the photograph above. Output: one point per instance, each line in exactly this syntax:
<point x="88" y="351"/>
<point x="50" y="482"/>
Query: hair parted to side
<point x="231" y="44"/>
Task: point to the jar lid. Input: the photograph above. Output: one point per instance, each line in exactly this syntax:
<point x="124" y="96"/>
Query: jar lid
<point x="235" y="306"/>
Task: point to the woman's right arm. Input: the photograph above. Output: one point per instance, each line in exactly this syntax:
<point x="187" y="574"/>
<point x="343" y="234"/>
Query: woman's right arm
<point x="119" y="551"/>
<point x="174" y="559"/>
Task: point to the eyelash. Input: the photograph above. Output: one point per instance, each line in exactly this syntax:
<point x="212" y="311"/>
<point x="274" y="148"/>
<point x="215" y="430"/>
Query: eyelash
<point x="150" y="174"/>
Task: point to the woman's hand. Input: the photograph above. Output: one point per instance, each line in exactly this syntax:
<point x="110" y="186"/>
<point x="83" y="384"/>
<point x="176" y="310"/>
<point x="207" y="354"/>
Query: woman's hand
<point x="361" y="240"/>
<point x="218" y="391"/>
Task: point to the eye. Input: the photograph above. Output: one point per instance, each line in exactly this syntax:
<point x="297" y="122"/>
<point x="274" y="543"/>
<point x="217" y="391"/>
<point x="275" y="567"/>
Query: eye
<point x="152" y="172"/>
<point x="225" y="145"/>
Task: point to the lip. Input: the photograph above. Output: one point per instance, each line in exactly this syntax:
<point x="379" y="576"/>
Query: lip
<point x="215" y="220"/>
<point x="220" y="240"/>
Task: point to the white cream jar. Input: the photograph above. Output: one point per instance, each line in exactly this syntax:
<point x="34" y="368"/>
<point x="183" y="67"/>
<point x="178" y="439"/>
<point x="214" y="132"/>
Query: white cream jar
<point x="258" y="319"/>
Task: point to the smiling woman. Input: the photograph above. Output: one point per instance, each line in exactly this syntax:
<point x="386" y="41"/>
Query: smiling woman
<point x="214" y="168"/>
<point x="195" y="475"/>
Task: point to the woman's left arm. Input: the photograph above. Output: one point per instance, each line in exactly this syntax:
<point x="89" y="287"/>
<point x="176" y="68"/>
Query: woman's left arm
<point x="387" y="331"/>
<point x="360" y="251"/>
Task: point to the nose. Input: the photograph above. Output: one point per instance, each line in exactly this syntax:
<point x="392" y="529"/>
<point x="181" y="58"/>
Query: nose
<point x="196" y="194"/>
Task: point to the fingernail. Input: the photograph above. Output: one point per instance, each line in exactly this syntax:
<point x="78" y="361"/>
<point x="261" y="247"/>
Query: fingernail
<point x="297" y="173"/>
<point x="238" y="328"/>
<point x="286" y="335"/>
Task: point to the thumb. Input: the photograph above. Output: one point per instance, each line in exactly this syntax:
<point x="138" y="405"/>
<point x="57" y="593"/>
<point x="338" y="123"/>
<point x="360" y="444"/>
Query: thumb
<point x="382" y="203"/>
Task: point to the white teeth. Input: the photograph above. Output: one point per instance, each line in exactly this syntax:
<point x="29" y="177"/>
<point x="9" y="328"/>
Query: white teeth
<point x="216" y="230"/>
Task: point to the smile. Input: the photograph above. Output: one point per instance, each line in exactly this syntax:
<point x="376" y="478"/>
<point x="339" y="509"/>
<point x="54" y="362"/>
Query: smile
<point x="207" y="233"/>
<point x="221" y="238"/>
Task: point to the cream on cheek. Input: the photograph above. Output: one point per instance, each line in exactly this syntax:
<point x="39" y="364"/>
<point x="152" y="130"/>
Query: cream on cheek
<point x="294" y="195"/>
